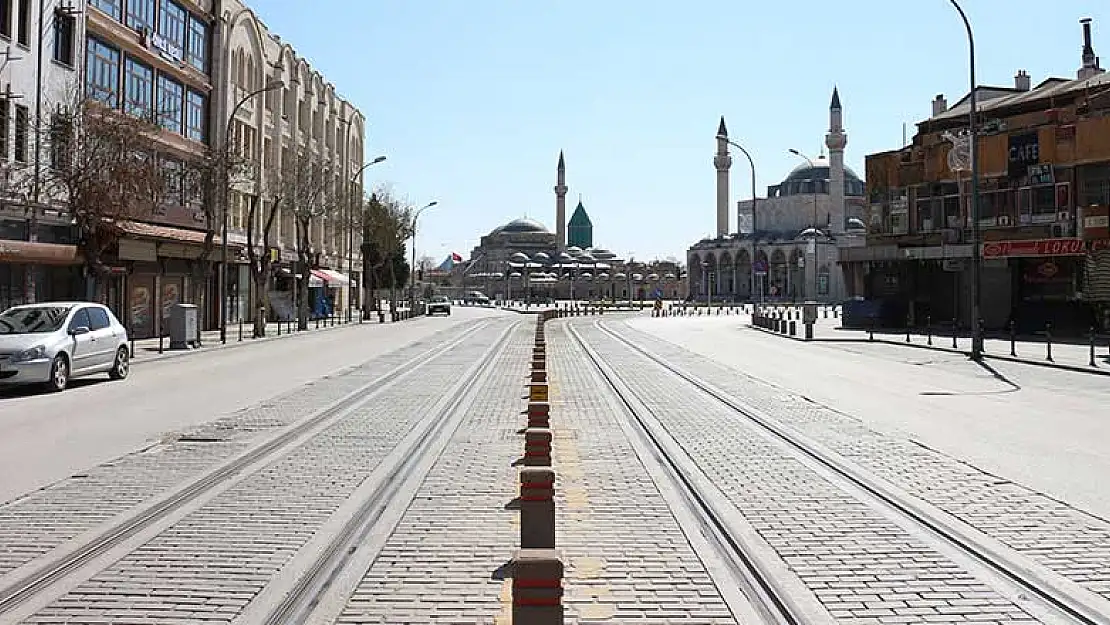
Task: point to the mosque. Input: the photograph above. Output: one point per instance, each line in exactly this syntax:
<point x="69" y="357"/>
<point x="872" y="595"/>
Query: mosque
<point x="787" y="244"/>
<point x="523" y="257"/>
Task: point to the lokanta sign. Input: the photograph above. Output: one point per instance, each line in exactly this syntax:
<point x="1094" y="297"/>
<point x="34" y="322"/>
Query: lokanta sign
<point x="1034" y="247"/>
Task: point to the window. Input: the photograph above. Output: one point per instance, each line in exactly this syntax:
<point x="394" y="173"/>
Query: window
<point x="99" y="318"/>
<point x="102" y="72"/>
<point x="140" y="14"/>
<point x="138" y="85"/>
<point x="197" y="49"/>
<point x="195" y="117"/>
<point x="60" y="130"/>
<point x="80" y="320"/>
<point x="171" y="24"/>
<point x="170" y="95"/>
<point x="65" y="26"/>
<point x="172" y="172"/>
<point x="111" y="7"/>
<point x="25" y="22"/>
<point x="6" y="18"/>
<point x="5" y="128"/>
<point x="21" y="118"/>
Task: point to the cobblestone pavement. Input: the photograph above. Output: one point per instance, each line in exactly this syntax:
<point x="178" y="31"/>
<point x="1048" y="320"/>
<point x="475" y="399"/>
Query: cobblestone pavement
<point x="209" y="565"/>
<point x="627" y="558"/>
<point x="45" y="519"/>
<point x="861" y="566"/>
<point x="1068" y="541"/>
<point x="439" y="564"/>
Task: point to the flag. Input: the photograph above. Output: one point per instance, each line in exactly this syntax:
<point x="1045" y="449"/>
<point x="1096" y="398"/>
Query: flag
<point x="455" y="258"/>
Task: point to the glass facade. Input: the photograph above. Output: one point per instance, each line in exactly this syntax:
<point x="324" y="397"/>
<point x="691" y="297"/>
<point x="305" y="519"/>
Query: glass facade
<point x="102" y="72"/>
<point x="170" y="96"/>
<point x="138" y="85"/>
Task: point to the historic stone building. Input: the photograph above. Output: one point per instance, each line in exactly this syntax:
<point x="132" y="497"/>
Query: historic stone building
<point x="785" y="246"/>
<point x="524" y="257"/>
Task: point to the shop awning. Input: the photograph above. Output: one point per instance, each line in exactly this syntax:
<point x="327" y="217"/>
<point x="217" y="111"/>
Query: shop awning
<point x="333" y="278"/>
<point x="39" y="253"/>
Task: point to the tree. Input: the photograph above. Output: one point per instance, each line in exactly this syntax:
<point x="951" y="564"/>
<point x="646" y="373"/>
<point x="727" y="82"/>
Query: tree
<point x="385" y="223"/>
<point x="260" y="263"/>
<point x="306" y="190"/>
<point x="101" y="166"/>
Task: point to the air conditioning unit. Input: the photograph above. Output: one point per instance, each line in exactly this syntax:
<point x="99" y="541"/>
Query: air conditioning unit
<point x="1004" y="221"/>
<point x="1061" y="230"/>
<point x="1063" y="216"/>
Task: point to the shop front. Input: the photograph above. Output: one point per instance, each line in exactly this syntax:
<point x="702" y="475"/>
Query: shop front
<point x="39" y="272"/>
<point x="1046" y="278"/>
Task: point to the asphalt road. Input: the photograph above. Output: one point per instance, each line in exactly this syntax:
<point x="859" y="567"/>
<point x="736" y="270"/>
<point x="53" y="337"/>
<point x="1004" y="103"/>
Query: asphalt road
<point x="46" y="437"/>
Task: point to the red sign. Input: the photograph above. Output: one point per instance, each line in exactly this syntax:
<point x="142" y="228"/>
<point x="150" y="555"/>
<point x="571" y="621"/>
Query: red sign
<point x="1034" y="247"/>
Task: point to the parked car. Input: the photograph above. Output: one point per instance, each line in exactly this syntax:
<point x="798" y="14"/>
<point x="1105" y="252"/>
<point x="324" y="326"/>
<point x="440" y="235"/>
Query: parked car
<point x="439" y="305"/>
<point x="476" y="298"/>
<point x="52" y="343"/>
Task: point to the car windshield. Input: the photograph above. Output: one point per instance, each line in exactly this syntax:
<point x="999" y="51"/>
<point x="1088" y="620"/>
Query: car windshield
<point x="439" y="300"/>
<point x="33" y="319"/>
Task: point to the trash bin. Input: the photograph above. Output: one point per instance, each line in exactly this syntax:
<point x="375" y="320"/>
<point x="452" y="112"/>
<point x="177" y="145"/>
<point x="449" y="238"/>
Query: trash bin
<point x="183" y="326"/>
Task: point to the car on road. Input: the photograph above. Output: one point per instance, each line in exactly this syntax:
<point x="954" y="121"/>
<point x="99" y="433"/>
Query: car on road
<point x="52" y="343"/>
<point x="476" y="298"/>
<point x="439" y="304"/>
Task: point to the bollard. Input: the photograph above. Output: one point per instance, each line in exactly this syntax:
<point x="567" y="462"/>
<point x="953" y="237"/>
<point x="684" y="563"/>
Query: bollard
<point x="907" y="328"/>
<point x="131" y="335"/>
<point x="537" y="447"/>
<point x="871" y="330"/>
<point x="279" y="327"/>
<point x="160" y="337"/>
<point x="1048" y="343"/>
<point x="317" y="323"/>
<point x="1013" y="339"/>
<point x="537" y="392"/>
<point x="262" y="316"/>
<point x="537" y="587"/>
<point x="240" y="329"/>
<point x="539" y="414"/>
<point x="1091" y="360"/>
<point x="929" y="330"/>
<point x="537" y="508"/>
<point x="825" y="311"/>
<point x="954" y="326"/>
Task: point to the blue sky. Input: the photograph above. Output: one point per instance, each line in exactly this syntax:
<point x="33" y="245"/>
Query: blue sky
<point x="472" y="101"/>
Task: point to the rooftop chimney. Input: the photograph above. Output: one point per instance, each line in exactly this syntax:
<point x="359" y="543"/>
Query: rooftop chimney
<point x="940" y="105"/>
<point x="1090" y="61"/>
<point x="1021" y="81"/>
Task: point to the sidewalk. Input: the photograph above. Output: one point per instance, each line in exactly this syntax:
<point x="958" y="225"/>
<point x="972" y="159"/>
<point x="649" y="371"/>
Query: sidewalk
<point x="150" y="349"/>
<point x="1071" y="356"/>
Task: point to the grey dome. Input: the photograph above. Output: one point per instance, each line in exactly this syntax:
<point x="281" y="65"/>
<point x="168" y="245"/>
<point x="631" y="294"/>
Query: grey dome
<point x="523" y="225"/>
<point x="519" y="257"/>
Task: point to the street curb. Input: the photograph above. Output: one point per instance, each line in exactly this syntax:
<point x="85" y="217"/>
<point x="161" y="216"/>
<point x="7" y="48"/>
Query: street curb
<point x="1014" y="359"/>
<point x="180" y="353"/>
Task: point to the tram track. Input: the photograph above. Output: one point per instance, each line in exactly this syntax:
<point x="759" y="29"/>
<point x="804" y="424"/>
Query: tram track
<point x="36" y="577"/>
<point x="1064" y="601"/>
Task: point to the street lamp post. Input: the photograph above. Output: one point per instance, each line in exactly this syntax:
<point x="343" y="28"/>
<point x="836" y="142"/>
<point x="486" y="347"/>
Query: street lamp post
<point x="351" y="234"/>
<point x="973" y="150"/>
<point x="815" y="228"/>
<point x="412" y="280"/>
<point x="751" y="288"/>
<point x="270" y="86"/>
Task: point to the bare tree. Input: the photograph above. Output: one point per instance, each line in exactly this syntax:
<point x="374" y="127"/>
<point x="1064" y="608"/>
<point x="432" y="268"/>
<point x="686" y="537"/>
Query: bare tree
<point x="306" y="191"/>
<point x="102" y="166"/>
<point x="260" y="263"/>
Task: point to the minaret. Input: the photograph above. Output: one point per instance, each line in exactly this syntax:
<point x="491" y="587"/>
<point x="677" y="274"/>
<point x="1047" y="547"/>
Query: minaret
<point x="722" y="161"/>
<point x="836" y="140"/>
<point x="561" y="205"/>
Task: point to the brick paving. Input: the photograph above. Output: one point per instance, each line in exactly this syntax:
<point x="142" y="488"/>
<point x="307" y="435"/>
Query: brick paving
<point x="861" y="566"/>
<point x="45" y="519"/>
<point x="627" y="558"/>
<point x="1068" y="541"/>
<point x="209" y="565"/>
<point x="438" y="565"/>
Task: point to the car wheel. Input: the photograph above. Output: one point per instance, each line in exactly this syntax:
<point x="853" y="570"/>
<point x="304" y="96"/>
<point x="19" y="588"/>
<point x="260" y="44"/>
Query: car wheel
<point x="122" y="366"/>
<point x="59" y="374"/>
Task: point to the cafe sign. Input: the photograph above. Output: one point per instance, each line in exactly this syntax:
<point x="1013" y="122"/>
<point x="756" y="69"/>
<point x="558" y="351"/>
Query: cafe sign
<point x="1034" y="248"/>
<point x="1024" y="150"/>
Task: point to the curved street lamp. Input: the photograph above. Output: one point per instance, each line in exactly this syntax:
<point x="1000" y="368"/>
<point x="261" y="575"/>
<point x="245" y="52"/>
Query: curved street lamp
<point x="973" y="209"/>
<point x="755" y="239"/>
<point x="273" y="85"/>
<point x="351" y="238"/>
<point x="412" y="280"/>
<point x="816" y="229"/>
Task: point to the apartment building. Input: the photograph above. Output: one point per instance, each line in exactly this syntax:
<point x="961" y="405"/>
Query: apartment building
<point x="1044" y="172"/>
<point x="40" y="62"/>
<point x="286" y="114"/>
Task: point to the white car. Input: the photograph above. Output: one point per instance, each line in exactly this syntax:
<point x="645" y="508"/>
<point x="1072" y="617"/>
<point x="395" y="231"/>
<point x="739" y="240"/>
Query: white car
<point x="52" y="343"/>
